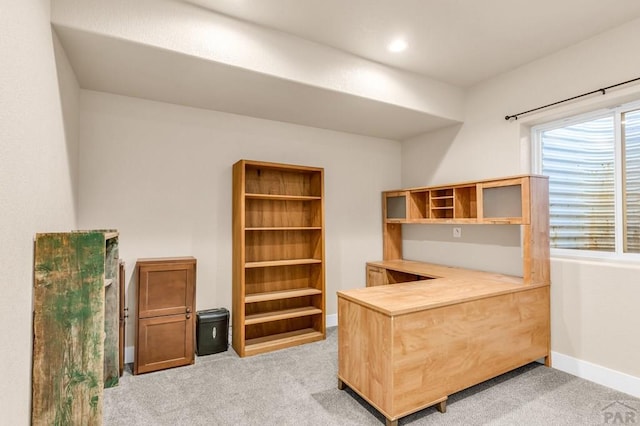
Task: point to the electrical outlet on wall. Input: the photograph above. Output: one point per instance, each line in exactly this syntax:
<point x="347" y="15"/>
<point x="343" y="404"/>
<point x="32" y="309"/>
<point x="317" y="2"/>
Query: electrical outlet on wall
<point x="457" y="232"/>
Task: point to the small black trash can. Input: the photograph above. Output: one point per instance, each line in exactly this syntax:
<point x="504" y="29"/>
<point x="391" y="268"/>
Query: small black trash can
<point x="212" y="331"/>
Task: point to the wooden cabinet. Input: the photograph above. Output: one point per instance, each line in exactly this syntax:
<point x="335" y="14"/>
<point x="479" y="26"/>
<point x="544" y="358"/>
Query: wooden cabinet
<point x="165" y="329"/>
<point x="376" y="276"/>
<point x="410" y="346"/>
<point x="75" y="325"/>
<point x="383" y="275"/>
<point x="519" y="200"/>
<point x="278" y="256"/>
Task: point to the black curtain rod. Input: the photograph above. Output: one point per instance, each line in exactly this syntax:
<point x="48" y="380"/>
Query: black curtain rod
<point x="603" y="91"/>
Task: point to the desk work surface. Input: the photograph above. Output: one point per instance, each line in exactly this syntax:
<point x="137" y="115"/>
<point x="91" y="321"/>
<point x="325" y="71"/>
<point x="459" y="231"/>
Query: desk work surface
<point x="448" y="285"/>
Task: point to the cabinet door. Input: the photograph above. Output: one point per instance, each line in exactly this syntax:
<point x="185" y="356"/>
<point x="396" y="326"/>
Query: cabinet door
<point x="166" y="323"/>
<point x="164" y="342"/>
<point x="376" y="276"/>
<point x="165" y="289"/>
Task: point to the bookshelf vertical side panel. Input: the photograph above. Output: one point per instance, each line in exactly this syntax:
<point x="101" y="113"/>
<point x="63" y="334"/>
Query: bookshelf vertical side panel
<point x="238" y="215"/>
<point x="320" y="323"/>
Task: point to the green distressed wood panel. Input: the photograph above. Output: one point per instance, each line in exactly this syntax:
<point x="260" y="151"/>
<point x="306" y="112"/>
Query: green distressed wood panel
<point x="68" y="329"/>
<point x="112" y="315"/>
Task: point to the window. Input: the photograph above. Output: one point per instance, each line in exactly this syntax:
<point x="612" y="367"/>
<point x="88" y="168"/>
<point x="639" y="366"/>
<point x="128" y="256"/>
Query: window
<point x="593" y="164"/>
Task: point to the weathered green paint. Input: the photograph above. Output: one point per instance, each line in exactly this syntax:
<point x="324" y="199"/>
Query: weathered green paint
<point x="112" y="315"/>
<point x="69" y="328"/>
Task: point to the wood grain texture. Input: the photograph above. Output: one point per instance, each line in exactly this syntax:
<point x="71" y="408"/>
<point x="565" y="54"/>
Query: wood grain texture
<point x="278" y="256"/>
<point x="392" y="241"/>
<point x="418" y="205"/>
<point x="68" y="346"/>
<point x="122" y="316"/>
<point x="535" y="237"/>
<point x="165" y="316"/>
<point x="465" y="202"/>
<point x="422" y="357"/>
<point x="283" y="340"/>
<point x="518" y="200"/>
<point x="438" y="352"/>
<point x="112" y="315"/>
<point x="365" y="344"/>
<point x="376" y="276"/>
<point x="164" y="342"/>
<point x="238" y="259"/>
<point x="459" y="327"/>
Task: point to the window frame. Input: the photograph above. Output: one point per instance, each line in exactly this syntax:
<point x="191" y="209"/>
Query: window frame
<point x="536" y="167"/>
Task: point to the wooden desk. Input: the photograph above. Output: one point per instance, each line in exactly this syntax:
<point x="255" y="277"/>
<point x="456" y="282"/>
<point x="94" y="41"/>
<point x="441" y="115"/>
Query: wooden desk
<point x="407" y="346"/>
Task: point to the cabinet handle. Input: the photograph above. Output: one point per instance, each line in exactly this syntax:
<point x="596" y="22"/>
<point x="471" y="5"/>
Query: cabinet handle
<point x="188" y="310"/>
<point x="188" y="316"/>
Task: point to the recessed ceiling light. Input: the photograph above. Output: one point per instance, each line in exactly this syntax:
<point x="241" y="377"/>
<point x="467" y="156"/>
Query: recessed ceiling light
<point x="397" y="45"/>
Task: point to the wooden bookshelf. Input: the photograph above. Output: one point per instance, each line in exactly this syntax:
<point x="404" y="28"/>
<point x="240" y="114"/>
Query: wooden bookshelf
<point x="278" y="256"/>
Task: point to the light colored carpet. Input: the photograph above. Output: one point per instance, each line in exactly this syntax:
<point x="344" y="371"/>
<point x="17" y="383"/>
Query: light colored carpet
<point x="298" y="386"/>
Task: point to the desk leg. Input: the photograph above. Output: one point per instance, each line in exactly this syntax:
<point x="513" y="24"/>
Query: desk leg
<point x="341" y="385"/>
<point x="442" y="406"/>
<point x="392" y="422"/>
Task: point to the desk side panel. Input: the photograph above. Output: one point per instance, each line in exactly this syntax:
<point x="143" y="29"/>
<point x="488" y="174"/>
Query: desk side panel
<point x="364" y="353"/>
<point x="441" y="351"/>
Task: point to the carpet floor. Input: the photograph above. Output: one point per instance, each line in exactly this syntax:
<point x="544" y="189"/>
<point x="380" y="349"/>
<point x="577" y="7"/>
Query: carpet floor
<point x="298" y="386"/>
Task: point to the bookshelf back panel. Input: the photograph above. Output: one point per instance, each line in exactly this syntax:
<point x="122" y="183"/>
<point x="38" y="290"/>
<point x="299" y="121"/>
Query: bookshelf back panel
<point x="260" y="280"/>
<point x="274" y="181"/>
<point x="282" y="245"/>
<point x="419" y="205"/>
<point x="275" y="327"/>
<point x="282" y="304"/>
<point x="278" y="213"/>
<point x="466" y="202"/>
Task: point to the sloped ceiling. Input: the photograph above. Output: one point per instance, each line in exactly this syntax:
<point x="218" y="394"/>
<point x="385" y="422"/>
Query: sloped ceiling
<point x="319" y="63"/>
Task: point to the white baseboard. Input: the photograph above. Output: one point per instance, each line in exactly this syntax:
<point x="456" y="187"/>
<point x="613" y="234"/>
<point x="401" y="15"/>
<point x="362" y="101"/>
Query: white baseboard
<point x="128" y="354"/>
<point x="602" y="375"/>
<point x="332" y="320"/>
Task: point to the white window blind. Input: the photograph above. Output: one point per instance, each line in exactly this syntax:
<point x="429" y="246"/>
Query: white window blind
<point x="631" y="142"/>
<point x="593" y="164"/>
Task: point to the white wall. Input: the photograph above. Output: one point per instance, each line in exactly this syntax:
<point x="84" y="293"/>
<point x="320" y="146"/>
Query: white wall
<point x="161" y="175"/>
<point x="70" y="103"/>
<point x="594" y="305"/>
<point x="36" y="189"/>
